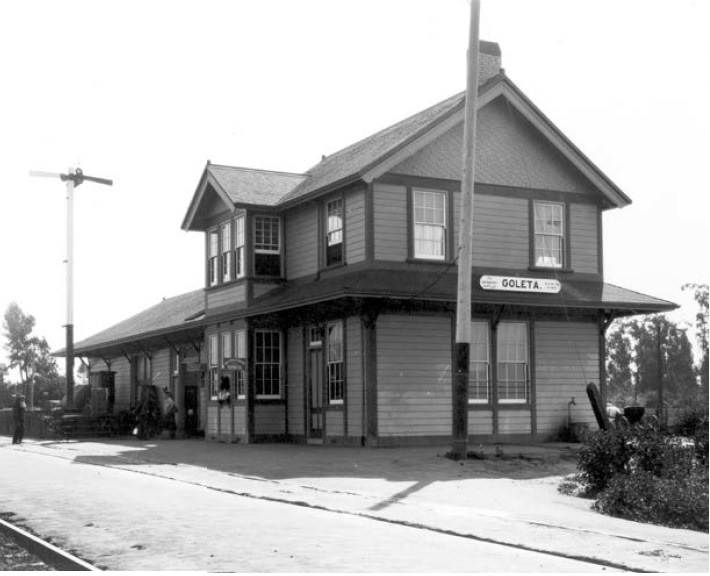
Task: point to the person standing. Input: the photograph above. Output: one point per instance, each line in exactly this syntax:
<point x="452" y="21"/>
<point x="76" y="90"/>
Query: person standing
<point x="18" y="416"/>
<point x="169" y="410"/>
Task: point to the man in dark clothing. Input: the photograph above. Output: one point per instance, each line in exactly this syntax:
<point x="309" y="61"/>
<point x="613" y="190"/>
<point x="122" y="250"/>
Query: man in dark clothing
<point x="18" y="415"/>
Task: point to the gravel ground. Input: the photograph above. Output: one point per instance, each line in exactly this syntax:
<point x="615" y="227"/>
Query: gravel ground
<point x="15" y="558"/>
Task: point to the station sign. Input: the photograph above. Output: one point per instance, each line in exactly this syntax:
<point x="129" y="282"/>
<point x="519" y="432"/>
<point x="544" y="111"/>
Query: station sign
<point x="515" y="284"/>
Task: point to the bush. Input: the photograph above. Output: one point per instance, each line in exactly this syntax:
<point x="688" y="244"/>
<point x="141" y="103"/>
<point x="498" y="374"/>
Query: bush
<point x="678" y="502"/>
<point x="603" y="456"/>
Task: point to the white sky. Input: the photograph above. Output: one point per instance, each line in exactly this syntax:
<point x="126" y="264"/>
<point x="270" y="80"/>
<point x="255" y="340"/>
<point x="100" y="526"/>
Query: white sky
<point x="145" y="92"/>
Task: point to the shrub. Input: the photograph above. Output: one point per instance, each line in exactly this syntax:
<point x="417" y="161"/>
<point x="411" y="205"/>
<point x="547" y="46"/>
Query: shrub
<point x="605" y="454"/>
<point x="663" y="456"/>
<point x="678" y="502"/>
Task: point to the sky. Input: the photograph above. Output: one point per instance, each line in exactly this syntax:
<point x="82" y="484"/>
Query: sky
<point x="146" y="92"/>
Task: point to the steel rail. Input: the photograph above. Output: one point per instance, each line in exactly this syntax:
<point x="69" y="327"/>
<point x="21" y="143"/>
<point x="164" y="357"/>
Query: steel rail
<point x="48" y="553"/>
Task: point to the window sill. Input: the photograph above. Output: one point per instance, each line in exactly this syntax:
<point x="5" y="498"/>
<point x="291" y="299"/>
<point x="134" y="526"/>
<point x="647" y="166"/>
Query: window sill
<point x="335" y="407"/>
<point x="523" y="406"/>
<point x="428" y="261"/>
<point x="234" y="282"/>
<point x="269" y="400"/>
<point x="550" y="269"/>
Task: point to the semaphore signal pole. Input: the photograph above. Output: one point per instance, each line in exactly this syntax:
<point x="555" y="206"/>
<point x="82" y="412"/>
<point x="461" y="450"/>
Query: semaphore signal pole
<point x="73" y="178"/>
<point x="465" y="247"/>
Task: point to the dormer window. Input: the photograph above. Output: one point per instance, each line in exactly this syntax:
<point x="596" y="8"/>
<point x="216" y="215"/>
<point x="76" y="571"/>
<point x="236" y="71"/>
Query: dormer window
<point x="239" y="246"/>
<point x="213" y="258"/>
<point x="549" y="235"/>
<point x="334" y="238"/>
<point x="226" y="251"/>
<point x="267" y="246"/>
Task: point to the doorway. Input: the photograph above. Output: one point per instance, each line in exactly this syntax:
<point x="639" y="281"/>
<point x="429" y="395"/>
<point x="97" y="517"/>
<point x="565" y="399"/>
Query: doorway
<point x="314" y="381"/>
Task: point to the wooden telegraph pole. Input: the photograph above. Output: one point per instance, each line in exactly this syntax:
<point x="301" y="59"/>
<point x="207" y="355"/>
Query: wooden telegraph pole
<point x="465" y="247"/>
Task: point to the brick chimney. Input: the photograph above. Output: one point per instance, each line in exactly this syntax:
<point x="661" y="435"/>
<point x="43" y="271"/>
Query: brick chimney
<point x="488" y="61"/>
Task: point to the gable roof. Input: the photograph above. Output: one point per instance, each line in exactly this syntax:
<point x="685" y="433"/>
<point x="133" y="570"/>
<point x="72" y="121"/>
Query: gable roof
<point x="373" y="156"/>
<point x="179" y="313"/>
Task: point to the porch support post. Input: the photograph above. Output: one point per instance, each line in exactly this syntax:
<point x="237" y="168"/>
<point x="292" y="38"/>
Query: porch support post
<point x="369" y="358"/>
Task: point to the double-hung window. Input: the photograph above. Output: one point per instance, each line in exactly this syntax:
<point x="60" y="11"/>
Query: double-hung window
<point x="334" y="239"/>
<point x="213" y="366"/>
<point x="213" y="258"/>
<point x="267" y="364"/>
<point x="478" y="384"/>
<point x="240" y="353"/>
<point x="239" y="246"/>
<point x="429" y="224"/>
<point x="267" y="246"/>
<point x="226" y="251"/>
<point x="549" y="235"/>
<point x="512" y="365"/>
<point x="336" y="378"/>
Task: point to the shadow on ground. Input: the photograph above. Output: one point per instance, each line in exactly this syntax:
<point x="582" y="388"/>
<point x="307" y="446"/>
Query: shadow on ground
<point x="291" y="461"/>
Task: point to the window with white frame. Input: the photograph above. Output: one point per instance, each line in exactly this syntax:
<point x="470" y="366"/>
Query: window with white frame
<point x="429" y="224"/>
<point x="267" y="246"/>
<point x="549" y="235"/>
<point x="213" y="258"/>
<point x="226" y="251"/>
<point x="478" y="384"/>
<point x="334" y="238"/>
<point x="239" y="246"/>
<point x="213" y="366"/>
<point x="267" y="363"/>
<point x="336" y="373"/>
<point x="512" y="363"/>
<point x="240" y="353"/>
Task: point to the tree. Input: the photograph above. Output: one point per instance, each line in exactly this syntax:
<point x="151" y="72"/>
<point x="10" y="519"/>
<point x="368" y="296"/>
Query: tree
<point x="700" y="293"/>
<point x="633" y="356"/>
<point x="31" y="356"/>
<point x="619" y="359"/>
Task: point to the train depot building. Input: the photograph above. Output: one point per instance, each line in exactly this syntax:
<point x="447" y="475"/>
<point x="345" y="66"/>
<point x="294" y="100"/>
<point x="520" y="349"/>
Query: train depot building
<point x="328" y="308"/>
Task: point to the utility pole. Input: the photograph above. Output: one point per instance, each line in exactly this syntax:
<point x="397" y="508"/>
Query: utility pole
<point x="661" y="408"/>
<point x="72" y="178"/>
<point x="465" y="247"/>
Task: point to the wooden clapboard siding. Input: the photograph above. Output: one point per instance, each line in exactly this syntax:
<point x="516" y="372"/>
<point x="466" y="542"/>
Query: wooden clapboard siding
<point x="295" y="380"/>
<point x="353" y="377"/>
<point x="161" y="367"/>
<point x="122" y="382"/>
<point x="226" y="295"/>
<point x="514" y="421"/>
<point x="302" y="241"/>
<point x="261" y="288"/>
<point x="480" y="422"/>
<point x="509" y="152"/>
<point x="414" y="375"/>
<point x="211" y="431"/>
<point x="240" y="420"/>
<point x="500" y="231"/>
<point x="355" y="226"/>
<point x="584" y="238"/>
<point x="390" y="209"/>
<point x="566" y="360"/>
<point x="334" y="423"/>
<point x="269" y="419"/>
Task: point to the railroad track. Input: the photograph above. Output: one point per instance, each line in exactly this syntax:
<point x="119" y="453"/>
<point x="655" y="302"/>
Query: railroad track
<point x="25" y="551"/>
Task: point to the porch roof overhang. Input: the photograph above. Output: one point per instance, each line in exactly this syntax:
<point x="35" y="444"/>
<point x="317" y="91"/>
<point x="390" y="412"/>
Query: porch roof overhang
<point x="174" y="320"/>
<point x="440" y="284"/>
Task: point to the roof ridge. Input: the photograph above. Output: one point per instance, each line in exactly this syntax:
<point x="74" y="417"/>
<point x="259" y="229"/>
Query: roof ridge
<point x="247" y="169"/>
<point x="390" y="127"/>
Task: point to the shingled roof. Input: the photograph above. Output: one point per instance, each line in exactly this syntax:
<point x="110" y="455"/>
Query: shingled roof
<point x="179" y="313"/>
<point x="250" y="186"/>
